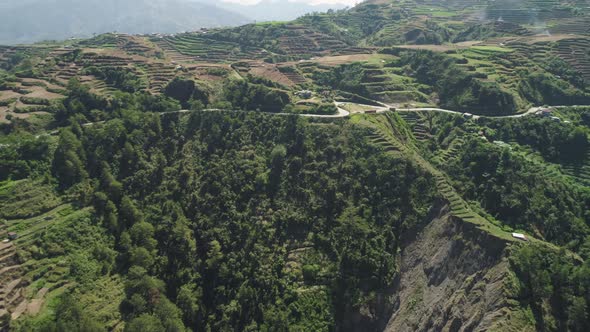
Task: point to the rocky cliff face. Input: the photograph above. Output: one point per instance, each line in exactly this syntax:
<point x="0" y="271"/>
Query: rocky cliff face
<point x="451" y="279"/>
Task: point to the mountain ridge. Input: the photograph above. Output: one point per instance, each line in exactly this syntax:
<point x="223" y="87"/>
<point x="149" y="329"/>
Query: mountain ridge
<point x="35" y="20"/>
<point x="276" y="10"/>
<point x="54" y="20"/>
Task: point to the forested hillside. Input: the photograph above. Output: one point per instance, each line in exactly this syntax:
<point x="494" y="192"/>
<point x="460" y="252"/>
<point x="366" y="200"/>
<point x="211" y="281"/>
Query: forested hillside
<point x="231" y="214"/>
<point x="228" y="220"/>
<point x="398" y="166"/>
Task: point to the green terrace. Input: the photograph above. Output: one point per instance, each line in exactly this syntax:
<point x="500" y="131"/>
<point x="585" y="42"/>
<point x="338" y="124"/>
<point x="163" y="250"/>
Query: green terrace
<point x="202" y="48"/>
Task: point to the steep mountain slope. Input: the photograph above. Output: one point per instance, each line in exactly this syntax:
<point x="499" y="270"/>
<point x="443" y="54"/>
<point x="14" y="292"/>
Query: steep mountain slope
<point x="215" y="180"/>
<point x="274" y="10"/>
<point x="452" y="277"/>
<point x="382" y="22"/>
<point x="196" y="196"/>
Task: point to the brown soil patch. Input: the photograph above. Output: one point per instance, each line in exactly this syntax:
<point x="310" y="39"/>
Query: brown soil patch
<point x="35" y="80"/>
<point x="270" y="72"/>
<point x="23" y="105"/>
<point x="35" y="305"/>
<point x="342" y="59"/>
<point x="468" y="43"/>
<point x="36" y="91"/>
<point x="42" y="93"/>
<point x="9" y="94"/>
<point x="20" y="309"/>
<point x="61" y="80"/>
<point x="201" y="70"/>
<point x="210" y="78"/>
<point x="86" y="78"/>
<point x="3" y="110"/>
<point x="435" y="48"/>
<point x="335" y="60"/>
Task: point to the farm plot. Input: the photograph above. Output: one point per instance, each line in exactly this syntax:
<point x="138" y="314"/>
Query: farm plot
<point x="575" y="52"/>
<point x="271" y="72"/>
<point x="40" y="265"/>
<point x="191" y="47"/>
<point x="27" y="96"/>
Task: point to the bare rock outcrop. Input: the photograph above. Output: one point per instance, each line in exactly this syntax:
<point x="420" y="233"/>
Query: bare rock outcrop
<point x="451" y="279"/>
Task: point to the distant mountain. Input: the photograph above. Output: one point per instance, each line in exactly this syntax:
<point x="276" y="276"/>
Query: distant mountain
<point x="26" y="21"/>
<point x="274" y="10"/>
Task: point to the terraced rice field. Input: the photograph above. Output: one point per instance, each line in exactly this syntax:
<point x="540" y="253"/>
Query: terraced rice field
<point x="27" y="214"/>
<point x="336" y="60"/>
<point x="575" y="52"/>
<point x="153" y="74"/>
<point x="538" y="51"/>
<point x="134" y="45"/>
<point x="26" y="284"/>
<point x="451" y="152"/>
<point x="579" y="171"/>
<point x="541" y="166"/>
<point x="171" y="52"/>
<point x="416" y="122"/>
<point x="384" y="84"/>
<point x="293" y="75"/>
<point x="458" y="206"/>
<point x="159" y="75"/>
<point x="577" y="26"/>
<point x="12" y="284"/>
<point x="61" y="73"/>
<point x="270" y="72"/>
<point x="35" y="268"/>
<point x="383" y="142"/>
<point x="301" y="40"/>
<point x="27" y="96"/>
<point x="192" y="47"/>
<point x="7" y="52"/>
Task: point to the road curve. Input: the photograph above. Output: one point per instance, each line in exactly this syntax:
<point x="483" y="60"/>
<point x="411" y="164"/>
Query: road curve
<point x="532" y="110"/>
<point x="386" y="108"/>
<point x="342" y="113"/>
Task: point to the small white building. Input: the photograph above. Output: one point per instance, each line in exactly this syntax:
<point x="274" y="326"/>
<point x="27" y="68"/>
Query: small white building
<point x="519" y="236"/>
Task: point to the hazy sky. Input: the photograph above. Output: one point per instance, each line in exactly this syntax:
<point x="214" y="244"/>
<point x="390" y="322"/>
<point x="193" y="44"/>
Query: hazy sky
<point x="345" y="2"/>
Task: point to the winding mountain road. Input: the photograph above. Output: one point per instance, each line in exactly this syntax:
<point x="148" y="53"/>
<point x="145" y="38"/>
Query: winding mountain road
<point x="385" y="108"/>
<point x="342" y="113"/>
<point x="531" y="110"/>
